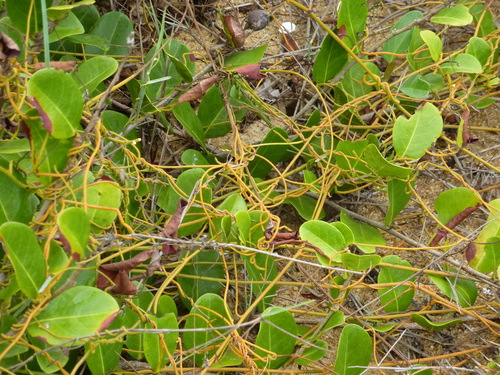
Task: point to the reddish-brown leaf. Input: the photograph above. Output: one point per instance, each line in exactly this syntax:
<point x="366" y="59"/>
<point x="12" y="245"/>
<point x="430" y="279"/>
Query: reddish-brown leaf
<point x="46" y="122"/>
<point x="172" y="228"/>
<point x="234" y="31"/>
<point x="199" y="90"/>
<point x="251" y="71"/>
<point x="470" y="252"/>
<point x="342" y="32"/>
<point x="465" y="129"/>
<point x="123" y="285"/>
<point x="289" y="43"/>
<point x="59" y="65"/>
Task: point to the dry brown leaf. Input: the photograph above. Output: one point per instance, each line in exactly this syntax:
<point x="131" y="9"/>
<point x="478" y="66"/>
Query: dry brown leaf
<point x="198" y="91"/>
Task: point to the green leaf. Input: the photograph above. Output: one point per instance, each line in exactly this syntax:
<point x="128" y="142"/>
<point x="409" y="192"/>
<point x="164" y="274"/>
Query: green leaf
<point x="483" y="19"/>
<point x="88" y="16"/>
<point x="334" y="319"/>
<point x="453" y="201"/>
<point x="242" y="58"/>
<point x="155" y="344"/>
<point x="413" y="136"/>
<point x="206" y="263"/>
<point x="188" y="119"/>
<point x="364" y="234"/>
<point x="325" y="237"/>
<point x="455" y="16"/>
<point x="433" y="42"/>
<point x="273" y="149"/>
<point x="395" y="298"/>
<point x="78" y="311"/>
<point x="329" y="61"/>
<point x="461" y="291"/>
<point x="352" y="14"/>
<point x="26" y="15"/>
<point x="462" y="63"/>
<point x="67" y="27"/>
<point x="419" y="56"/>
<point x="89" y="40"/>
<point x="359" y="262"/>
<point x="416" y="86"/>
<point x="93" y="71"/>
<point x="399" y="195"/>
<point x="213" y="114"/>
<point x="480" y="49"/>
<point x="209" y="311"/>
<point x="59" y="11"/>
<point x="277" y="334"/>
<point x="399" y="44"/>
<point x="116" y="28"/>
<point x="305" y="206"/>
<point x="103" y="355"/>
<point x="354" y="81"/>
<point x="261" y="267"/>
<point x="14" y="200"/>
<point x="58" y="100"/>
<point x="350" y="156"/>
<point x="354" y="351"/>
<point x="182" y="69"/>
<point x="431" y="326"/>
<point x="22" y="248"/>
<point x="105" y="198"/>
<point x="380" y="166"/>
<point x="74" y="225"/>
<point x="313" y="353"/>
<point x="53" y="360"/>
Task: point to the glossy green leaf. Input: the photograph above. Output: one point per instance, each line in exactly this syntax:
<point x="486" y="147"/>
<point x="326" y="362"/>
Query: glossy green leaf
<point x="418" y="56"/>
<point x="480" y="49"/>
<point x="57" y="259"/>
<point x="483" y="19"/>
<point x="22" y="248"/>
<point x="399" y="195"/>
<point x="159" y="348"/>
<point x="345" y="230"/>
<point x="350" y="156"/>
<point x="242" y="58"/>
<point x="352" y="14"/>
<point x="413" y="136"/>
<point x="26" y="15"/>
<point x="14" y="199"/>
<point x="325" y="237"/>
<point x="453" y="201"/>
<point x="273" y="149"/>
<point x="49" y="155"/>
<point x="93" y="71"/>
<point x="334" y="319"/>
<point x="190" y="121"/>
<point x="116" y="28"/>
<point x="68" y="26"/>
<point x="78" y="311"/>
<point x="305" y="206"/>
<point x="57" y="12"/>
<point x="277" y="334"/>
<point x="356" y="262"/>
<point x="433" y="42"/>
<point x="6" y="323"/>
<point x="424" y="371"/>
<point x="354" y="81"/>
<point x="431" y="326"/>
<point x="380" y="166"/>
<point x="74" y="225"/>
<point x="181" y="68"/>
<point x="88" y="16"/>
<point x="261" y="267"/>
<point x="103" y="355"/>
<point x="194" y="157"/>
<point x="313" y="353"/>
<point x="213" y="114"/>
<point x="354" y="350"/>
<point x="134" y="341"/>
<point x="364" y="234"/>
<point x="462" y="63"/>
<point x="53" y="360"/>
<point x="329" y="61"/>
<point x="435" y="81"/>
<point x="395" y="298"/>
<point x="58" y="100"/>
<point x="455" y="16"/>
<point x="461" y="291"/>
<point x="206" y="263"/>
<point x="209" y="311"/>
<point x="105" y="198"/>
<point x="399" y="44"/>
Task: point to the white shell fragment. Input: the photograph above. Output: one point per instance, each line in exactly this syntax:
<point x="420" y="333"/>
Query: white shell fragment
<point x="288" y="27"/>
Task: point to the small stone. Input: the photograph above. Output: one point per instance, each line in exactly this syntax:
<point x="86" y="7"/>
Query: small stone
<point x="257" y="20"/>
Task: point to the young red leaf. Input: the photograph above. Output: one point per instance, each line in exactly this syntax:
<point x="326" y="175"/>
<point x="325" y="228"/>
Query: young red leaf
<point x="234" y="31"/>
<point x="251" y="71"/>
<point x="172" y="228"/>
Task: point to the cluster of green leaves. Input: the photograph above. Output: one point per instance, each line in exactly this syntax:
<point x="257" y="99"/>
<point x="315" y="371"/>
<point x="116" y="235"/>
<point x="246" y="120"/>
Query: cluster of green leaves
<point x="76" y="198"/>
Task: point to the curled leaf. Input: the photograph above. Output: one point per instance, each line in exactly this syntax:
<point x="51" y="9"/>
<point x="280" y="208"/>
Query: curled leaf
<point x="199" y="90"/>
<point x="251" y="71"/>
<point x="172" y="228"/>
<point x="8" y="48"/>
<point x="234" y="31"/>
<point x="59" y="65"/>
<point x="289" y="43"/>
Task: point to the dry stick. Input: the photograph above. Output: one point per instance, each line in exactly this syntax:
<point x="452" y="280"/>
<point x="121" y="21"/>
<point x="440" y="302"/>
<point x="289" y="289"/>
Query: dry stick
<point x="351" y="63"/>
